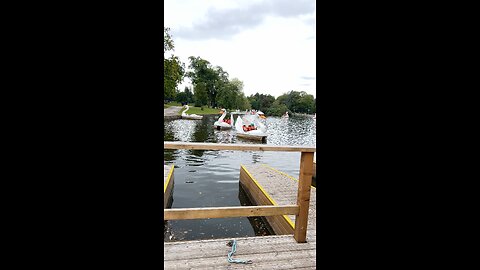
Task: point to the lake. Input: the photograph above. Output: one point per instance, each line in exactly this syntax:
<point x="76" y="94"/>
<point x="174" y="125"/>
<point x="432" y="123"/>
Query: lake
<point x="211" y="178"/>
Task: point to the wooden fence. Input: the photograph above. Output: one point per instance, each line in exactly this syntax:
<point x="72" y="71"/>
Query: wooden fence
<point x="303" y="196"/>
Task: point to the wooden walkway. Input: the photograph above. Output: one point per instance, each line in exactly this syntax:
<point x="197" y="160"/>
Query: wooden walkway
<point x="166" y="170"/>
<point x="168" y="180"/>
<point x="282" y="188"/>
<point x="266" y="252"/>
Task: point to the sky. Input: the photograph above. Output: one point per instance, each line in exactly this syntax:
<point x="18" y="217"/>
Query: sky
<point x="269" y="45"/>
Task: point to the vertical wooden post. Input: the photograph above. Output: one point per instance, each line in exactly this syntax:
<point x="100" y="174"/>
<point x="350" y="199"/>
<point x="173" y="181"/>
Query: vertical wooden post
<point x="303" y="197"/>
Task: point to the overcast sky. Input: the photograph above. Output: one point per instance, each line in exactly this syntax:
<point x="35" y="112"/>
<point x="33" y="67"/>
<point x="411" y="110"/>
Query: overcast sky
<point x="269" y="45"/>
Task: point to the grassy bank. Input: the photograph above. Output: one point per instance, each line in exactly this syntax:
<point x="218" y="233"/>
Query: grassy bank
<point x="193" y="109"/>
<point x="199" y="111"/>
<point x="170" y="104"/>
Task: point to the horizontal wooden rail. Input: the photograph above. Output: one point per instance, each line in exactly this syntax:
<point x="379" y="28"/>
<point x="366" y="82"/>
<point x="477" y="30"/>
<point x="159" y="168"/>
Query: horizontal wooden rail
<point x="303" y="197"/>
<point x="229" y="212"/>
<point x="239" y="147"/>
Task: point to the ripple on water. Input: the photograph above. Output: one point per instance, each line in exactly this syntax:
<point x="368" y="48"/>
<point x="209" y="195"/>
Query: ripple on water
<point x="215" y="174"/>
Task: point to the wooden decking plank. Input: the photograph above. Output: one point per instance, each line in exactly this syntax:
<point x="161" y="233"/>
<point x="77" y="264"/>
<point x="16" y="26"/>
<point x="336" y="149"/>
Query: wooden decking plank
<point x="244" y="247"/>
<point x="283" y="189"/>
<point x="236" y="147"/>
<point x="166" y="170"/>
<point x="168" y="180"/>
<point x="269" y="255"/>
<point x="285" y="260"/>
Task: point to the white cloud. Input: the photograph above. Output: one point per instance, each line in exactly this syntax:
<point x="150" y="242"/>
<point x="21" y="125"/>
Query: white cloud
<point x="271" y="55"/>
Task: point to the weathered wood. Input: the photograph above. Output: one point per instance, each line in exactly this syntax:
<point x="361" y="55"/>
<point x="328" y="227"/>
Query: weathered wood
<point x="228" y="212"/>
<point x="259" y="196"/>
<point x="303" y="197"/>
<point x="251" y="137"/>
<point x="250" y="245"/>
<point x="268" y="252"/>
<point x="277" y="260"/>
<point x="283" y="188"/>
<point x="238" y="147"/>
<point x="168" y="182"/>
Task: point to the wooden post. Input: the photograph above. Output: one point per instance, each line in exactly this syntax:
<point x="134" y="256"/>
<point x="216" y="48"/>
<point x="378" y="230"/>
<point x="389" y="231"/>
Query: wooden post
<point x="303" y="197"/>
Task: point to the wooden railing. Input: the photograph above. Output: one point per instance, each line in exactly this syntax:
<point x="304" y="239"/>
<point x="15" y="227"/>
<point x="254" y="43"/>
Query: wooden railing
<point x="300" y="210"/>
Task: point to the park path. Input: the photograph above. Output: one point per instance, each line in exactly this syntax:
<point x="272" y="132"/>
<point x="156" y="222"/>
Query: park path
<point x="171" y="111"/>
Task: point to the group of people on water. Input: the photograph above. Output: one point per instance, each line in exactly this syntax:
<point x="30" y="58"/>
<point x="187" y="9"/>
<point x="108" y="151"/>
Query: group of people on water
<point x="249" y="127"/>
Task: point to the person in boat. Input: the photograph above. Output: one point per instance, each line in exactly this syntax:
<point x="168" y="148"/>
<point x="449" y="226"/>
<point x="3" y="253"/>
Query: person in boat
<point x="249" y="127"/>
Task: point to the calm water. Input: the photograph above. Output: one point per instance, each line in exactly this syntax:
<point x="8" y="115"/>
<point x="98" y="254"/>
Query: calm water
<point x="211" y="178"/>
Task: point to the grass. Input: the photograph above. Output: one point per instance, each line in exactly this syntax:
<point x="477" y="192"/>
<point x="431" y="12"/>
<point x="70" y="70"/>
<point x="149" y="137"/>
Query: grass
<point x="198" y="110"/>
<point x="193" y="109"/>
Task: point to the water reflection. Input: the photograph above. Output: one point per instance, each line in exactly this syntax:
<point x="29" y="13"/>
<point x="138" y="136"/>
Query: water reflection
<point x="211" y="178"/>
<point x="185" y="230"/>
<point x="297" y="130"/>
<point x="256" y="157"/>
<point x="182" y="130"/>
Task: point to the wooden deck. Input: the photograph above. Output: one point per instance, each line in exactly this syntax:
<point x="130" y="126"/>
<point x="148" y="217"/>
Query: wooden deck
<point x="266" y="252"/>
<point x="166" y="170"/>
<point x="168" y="180"/>
<point x="282" y="188"/>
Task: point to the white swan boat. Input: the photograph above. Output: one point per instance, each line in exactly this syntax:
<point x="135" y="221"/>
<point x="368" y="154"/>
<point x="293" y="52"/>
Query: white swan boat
<point x="190" y="116"/>
<point x="259" y="131"/>
<point x="285" y="115"/>
<point x="220" y="124"/>
<point x="261" y="115"/>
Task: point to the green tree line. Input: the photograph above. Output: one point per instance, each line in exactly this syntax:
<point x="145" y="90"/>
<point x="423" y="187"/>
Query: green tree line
<point x="293" y="102"/>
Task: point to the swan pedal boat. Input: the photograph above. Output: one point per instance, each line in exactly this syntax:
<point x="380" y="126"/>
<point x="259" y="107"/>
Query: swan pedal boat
<point x="249" y="136"/>
<point x="257" y="135"/>
<point x="261" y="115"/>
<point x="219" y="124"/>
<point x="191" y="116"/>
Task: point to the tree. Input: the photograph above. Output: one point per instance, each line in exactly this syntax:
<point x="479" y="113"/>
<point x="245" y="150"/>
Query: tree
<point x="299" y="102"/>
<point x="277" y="109"/>
<point x="243" y="103"/>
<point x="189" y="95"/>
<point x="200" y="94"/>
<point x="254" y="101"/>
<point x="214" y="78"/>
<point x="173" y="73"/>
<point x="226" y="97"/>
<point x="231" y="96"/>
<point x="306" y="103"/>
<point x="173" y="68"/>
<point x="181" y="97"/>
<point x="167" y="40"/>
<point x="261" y="102"/>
